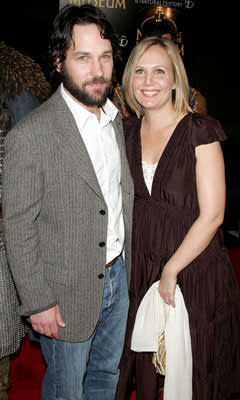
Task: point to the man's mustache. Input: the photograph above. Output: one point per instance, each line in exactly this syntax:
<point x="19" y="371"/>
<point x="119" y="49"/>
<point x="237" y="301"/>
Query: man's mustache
<point x="97" y="80"/>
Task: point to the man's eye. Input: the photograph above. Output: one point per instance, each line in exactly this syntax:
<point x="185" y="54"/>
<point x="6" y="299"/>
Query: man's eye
<point x="82" y="58"/>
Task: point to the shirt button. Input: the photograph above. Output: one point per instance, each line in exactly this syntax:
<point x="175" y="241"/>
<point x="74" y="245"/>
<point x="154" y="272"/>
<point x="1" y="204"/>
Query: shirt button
<point x="102" y="212"/>
<point x="100" y="276"/>
<point x="101" y="244"/>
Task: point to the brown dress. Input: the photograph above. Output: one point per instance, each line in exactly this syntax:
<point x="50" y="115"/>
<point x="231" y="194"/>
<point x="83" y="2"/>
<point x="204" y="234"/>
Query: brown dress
<point x="209" y="284"/>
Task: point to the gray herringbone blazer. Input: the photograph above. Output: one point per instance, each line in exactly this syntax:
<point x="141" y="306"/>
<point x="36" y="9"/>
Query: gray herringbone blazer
<point x="52" y="220"/>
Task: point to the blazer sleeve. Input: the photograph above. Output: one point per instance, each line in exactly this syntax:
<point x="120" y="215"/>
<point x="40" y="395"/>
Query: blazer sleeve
<point x="22" y="193"/>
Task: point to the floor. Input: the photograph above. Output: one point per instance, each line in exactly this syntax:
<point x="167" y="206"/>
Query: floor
<point x="27" y="366"/>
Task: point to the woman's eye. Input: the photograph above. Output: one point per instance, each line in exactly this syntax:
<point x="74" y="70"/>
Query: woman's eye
<point x="159" y="71"/>
<point x="139" y="71"/>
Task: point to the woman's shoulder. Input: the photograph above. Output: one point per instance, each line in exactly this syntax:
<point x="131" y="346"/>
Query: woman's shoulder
<point x="204" y="119"/>
<point x="205" y="129"/>
<point x="131" y="120"/>
<point x="131" y="125"/>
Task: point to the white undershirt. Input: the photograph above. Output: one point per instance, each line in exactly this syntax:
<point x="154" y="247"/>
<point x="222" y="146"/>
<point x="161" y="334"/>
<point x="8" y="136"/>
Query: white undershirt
<point x="148" y="173"/>
<point x="100" y="141"/>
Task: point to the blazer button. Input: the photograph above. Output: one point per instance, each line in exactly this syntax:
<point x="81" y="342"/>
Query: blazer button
<point x="102" y="212"/>
<point x="100" y="276"/>
<point x="102" y="244"/>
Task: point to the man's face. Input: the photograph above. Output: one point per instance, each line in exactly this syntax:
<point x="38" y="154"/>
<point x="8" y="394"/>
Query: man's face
<point x="87" y="70"/>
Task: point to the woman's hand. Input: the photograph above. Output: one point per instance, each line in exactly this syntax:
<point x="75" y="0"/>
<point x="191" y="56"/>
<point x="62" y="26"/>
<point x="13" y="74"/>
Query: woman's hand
<point x="167" y="287"/>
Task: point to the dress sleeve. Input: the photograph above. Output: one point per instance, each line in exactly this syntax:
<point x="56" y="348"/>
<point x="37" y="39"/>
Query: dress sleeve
<point x="206" y="130"/>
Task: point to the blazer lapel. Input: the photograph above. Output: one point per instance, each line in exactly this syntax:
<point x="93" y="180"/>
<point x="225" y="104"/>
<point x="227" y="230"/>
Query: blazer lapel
<point x="126" y="179"/>
<point x="72" y="143"/>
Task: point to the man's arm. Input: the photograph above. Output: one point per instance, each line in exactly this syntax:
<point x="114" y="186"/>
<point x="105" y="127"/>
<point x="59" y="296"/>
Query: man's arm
<point x="22" y="195"/>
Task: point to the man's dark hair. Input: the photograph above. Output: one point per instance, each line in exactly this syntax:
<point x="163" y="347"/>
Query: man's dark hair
<point x="69" y="16"/>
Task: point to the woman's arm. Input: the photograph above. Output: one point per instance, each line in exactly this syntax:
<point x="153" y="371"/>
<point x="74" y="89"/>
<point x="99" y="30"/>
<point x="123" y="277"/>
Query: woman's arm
<point x="210" y="178"/>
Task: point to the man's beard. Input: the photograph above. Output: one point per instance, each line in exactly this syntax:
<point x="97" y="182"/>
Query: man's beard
<point x="99" y="99"/>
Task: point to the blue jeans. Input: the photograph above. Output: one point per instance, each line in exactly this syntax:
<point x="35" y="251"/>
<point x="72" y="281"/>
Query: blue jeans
<point x="89" y="370"/>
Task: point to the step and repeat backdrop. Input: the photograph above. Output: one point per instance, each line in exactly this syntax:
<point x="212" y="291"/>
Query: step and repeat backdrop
<point x="207" y="39"/>
<point x="128" y="16"/>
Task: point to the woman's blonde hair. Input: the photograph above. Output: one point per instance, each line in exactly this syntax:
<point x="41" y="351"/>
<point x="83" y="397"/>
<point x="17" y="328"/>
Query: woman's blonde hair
<point x="180" y="94"/>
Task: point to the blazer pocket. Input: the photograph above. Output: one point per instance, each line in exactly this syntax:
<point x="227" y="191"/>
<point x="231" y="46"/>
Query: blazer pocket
<point x="54" y="272"/>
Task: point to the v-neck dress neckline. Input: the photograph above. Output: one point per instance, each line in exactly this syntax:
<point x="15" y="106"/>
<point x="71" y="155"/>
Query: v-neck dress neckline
<point x="161" y="164"/>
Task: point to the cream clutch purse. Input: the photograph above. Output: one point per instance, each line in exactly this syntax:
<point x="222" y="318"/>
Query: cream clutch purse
<point x="159" y="357"/>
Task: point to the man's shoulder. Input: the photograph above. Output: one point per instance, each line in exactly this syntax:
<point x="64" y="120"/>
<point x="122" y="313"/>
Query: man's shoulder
<point x="43" y="114"/>
<point x="39" y="122"/>
<point x="47" y="107"/>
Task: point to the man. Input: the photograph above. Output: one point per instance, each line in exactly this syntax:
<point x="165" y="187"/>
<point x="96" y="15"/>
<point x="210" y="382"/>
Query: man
<point x="67" y="207"/>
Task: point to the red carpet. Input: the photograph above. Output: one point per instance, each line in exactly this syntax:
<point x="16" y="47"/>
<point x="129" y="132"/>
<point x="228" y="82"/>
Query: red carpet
<point x="27" y="366"/>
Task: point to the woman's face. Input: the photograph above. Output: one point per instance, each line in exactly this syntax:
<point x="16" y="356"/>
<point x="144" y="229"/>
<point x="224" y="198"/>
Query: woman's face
<point x="153" y="79"/>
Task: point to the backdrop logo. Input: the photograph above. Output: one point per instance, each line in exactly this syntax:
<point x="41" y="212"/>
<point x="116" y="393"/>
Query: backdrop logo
<point x="123" y="41"/>
<point x="189" y="3"/>
<point x="164" y="3"/>
<point x="98" y="3"/>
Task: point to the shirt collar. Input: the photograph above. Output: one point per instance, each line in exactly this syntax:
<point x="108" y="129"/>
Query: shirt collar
<point x="108" y="111"/>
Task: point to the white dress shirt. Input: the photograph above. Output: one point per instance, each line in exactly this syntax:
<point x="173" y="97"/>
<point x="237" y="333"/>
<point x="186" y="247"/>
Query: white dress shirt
<point x="100" y="141"/>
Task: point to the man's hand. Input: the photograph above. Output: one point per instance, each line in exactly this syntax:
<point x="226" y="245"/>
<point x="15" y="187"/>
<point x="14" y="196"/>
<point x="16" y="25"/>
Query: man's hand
<point x="47" y="322"/>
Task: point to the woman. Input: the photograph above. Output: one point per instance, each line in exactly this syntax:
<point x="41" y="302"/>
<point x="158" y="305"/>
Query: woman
<point x="11" y="326"/>
<point x="178" y="170"/>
